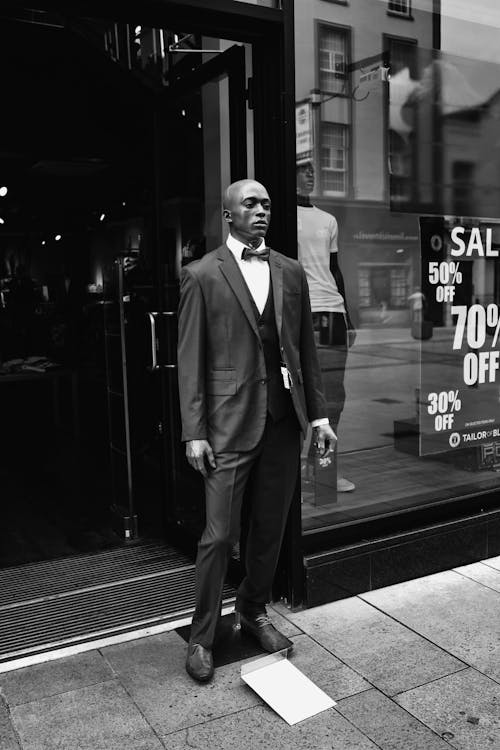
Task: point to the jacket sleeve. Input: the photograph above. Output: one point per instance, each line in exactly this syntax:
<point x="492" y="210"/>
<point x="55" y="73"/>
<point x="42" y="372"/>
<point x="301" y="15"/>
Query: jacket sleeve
<point x="309" y="363"/>
<point x="191" y="357"/>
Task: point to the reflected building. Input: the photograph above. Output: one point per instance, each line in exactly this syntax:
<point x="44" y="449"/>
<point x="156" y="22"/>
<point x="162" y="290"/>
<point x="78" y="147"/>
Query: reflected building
<point x="357" y="67"/>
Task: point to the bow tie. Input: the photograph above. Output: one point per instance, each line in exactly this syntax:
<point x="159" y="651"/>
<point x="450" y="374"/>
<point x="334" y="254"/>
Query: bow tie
<point x="250" y="252"/>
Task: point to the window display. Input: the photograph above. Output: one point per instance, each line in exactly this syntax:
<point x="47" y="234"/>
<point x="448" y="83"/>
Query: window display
<point x="398" y="231"/>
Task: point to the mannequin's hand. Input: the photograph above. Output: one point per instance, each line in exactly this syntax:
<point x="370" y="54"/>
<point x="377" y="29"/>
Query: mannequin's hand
<point x="324" y="439"/>
<point x="200" y="455"/>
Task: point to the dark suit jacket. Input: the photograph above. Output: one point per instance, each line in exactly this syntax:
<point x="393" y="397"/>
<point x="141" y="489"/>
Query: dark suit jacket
<point x="221" y="362"/>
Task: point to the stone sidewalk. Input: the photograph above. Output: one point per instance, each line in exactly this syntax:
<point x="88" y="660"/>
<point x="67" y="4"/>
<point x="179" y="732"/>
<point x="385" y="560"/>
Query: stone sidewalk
<point x="414" y="666"/>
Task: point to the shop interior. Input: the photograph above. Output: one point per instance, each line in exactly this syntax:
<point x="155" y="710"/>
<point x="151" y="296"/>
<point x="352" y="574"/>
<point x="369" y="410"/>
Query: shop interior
<point x="80" y="231"/>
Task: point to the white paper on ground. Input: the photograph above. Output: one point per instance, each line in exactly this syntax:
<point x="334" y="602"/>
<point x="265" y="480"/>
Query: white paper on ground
<point x="285" y="689"/>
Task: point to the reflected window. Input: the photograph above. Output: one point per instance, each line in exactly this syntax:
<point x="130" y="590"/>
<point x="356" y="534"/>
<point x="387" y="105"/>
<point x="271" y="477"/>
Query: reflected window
<point x="403" y="56"/>
<point x="401" y="7"/>
<point x="402" y="144"/>
<point x="400" y="168"/>
<point x="333" y="57"/>
<point x="334" y="159"/>
<point x="399" y="289"/>
<point x="462" y="183"/>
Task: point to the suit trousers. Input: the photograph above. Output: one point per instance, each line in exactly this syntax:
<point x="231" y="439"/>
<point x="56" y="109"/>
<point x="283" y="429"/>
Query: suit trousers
<point x="260" y="482"/>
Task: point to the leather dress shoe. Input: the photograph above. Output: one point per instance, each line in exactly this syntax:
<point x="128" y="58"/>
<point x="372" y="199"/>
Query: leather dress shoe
<point x="199" y="663"/>
<point x="260" y="626"/>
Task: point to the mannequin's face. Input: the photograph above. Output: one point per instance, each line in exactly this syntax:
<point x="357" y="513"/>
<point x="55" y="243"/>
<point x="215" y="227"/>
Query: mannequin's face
<point x="305" y="179"/>
<point x="248" y="211"/>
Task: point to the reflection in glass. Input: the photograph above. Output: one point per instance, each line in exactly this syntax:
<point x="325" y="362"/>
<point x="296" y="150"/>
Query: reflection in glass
<point x="401" y="127"/>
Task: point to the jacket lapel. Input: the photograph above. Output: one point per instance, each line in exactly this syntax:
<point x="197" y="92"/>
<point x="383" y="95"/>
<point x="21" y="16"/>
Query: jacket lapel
<point x="277" y="281"/>
<point x="234" y="278"/>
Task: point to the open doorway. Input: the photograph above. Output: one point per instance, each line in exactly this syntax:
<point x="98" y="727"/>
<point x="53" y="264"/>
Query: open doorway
<point x="120" y="142"/>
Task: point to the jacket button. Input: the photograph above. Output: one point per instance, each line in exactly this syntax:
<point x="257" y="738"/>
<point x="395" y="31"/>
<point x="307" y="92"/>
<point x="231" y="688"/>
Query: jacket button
<point x="262" y="382"/>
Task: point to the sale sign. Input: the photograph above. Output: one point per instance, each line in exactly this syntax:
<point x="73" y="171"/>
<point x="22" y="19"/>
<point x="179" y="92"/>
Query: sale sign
<point x="459" y="402"/>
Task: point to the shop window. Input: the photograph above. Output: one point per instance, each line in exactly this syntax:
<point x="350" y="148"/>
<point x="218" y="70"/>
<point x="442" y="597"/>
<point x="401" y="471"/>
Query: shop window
<point x="399" y="291"/>
<point x="364" y="287"/>
<point x="396" y="158"/>
<point x="333" y="57"/>
<point x="334" y="159"/>
<point x="400" y="7"/>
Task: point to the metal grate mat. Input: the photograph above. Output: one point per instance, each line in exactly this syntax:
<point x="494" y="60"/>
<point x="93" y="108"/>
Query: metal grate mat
<point x="41" y="579"/>
<point x="76" y="615"/>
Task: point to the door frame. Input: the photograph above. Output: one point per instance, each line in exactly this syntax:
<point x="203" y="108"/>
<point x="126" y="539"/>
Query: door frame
<point x="229" y="63"/>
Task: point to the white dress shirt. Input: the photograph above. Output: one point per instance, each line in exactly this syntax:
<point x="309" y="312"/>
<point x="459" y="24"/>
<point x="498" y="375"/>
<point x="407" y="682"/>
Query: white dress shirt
<point x="255" y="271"/>
<point x="257" y="277"/>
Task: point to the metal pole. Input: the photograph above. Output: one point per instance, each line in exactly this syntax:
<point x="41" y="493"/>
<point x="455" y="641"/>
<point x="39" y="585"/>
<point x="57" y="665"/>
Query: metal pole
<point x="129" y="533"/>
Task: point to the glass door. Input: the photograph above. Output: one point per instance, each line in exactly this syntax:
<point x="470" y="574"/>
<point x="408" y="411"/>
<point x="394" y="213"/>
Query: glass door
<point x="203" y="136"/>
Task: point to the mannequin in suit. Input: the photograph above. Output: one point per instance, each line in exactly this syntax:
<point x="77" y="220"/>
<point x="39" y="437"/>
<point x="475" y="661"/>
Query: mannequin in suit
<point x="249" y="384"/>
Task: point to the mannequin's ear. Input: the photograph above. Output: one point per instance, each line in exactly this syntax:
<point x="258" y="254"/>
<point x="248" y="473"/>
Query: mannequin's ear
<point x="227" y="215"/>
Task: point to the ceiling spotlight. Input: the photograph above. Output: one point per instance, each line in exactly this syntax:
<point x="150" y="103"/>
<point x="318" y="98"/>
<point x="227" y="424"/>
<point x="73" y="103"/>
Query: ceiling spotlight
<point x="124" y="203"/>
<point x="102" y="217"/>
<point x="400" y="250"/>
<point x="57" y="237"/>
<point x="2" y="221"/>
<point x="3" y="191"/>
<point x="43" y="242"/>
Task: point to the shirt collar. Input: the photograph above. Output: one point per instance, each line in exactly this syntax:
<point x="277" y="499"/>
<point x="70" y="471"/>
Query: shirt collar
<point x="237" y="247"/>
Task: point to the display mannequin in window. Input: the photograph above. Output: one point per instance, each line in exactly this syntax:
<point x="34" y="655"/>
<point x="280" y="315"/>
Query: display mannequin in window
<point x="249" y="383"/>
<point x="317" y="233"/>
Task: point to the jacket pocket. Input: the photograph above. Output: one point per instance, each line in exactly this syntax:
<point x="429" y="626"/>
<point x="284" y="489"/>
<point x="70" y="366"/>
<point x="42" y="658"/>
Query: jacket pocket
<point x="221" y="382"/>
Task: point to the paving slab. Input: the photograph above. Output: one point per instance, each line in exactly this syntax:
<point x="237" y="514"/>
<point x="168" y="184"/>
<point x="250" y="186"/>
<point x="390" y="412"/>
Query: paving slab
<point x="260" y="729"/>
<point x="53" y="677"/>
<point x="152" y="670"/>
<point x="481" y="573"/>
<point x="101" y="717"/>
<point x="454" y="612"/>
<point x="278" y="615"/>
<point x="8" y="738"/>
<point x="493" y="562"/>
<point x="387" y="654"/>
<point x="325" y="670"/>
<point x="463" y="708"/>
<point x="387" y="724"/>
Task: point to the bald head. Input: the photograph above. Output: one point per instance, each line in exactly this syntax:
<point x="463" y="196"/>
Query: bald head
<point x="247" y="210"/>
<point x="234" y="191"/>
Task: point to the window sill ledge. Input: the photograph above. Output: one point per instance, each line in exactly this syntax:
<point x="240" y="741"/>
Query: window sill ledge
<point x="393" y="14"/>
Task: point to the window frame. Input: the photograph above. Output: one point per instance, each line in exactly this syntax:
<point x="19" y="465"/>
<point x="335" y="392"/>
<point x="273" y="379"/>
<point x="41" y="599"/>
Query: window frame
<point x="407" y="15"/>
<point x="346" y="128"/>
<point x="387" y="40"/>
<point x="322" y="26"/>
